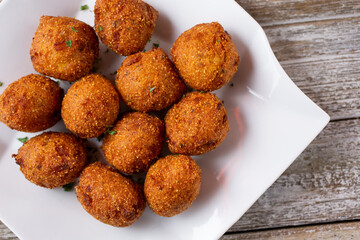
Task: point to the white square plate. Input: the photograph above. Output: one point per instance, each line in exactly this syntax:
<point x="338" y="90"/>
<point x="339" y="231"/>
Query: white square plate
<point x="271" y="123"/>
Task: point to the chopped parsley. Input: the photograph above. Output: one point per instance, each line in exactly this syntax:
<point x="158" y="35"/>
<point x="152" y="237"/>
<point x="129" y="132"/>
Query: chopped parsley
<point x="23" y="140"/>
<point x="72" y="28"/>
<point x="68" y="187"/>
<point x="1" y="83"/>
<point x="115" y="23"/>
<point x="69" y="43"/>
<point x="57" y="82"/>
<point x="176" y="155"/>
<point x="144" y="50"/>
<point x="156" y="45"/>
<point x="100" y="28"/>
<point x="152" y="89"/>
<point x="150" y="40"/>
<point x="110" y="132"/>
<point x="84" y="7"/>
<point x="202" y="92"/>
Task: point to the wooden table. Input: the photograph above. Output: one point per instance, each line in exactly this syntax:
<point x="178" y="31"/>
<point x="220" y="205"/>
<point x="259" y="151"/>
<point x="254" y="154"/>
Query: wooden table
<point x="318" y="44"/>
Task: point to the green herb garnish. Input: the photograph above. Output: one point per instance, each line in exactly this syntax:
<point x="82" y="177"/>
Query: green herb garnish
<point x="150" y="40"/>
<point x="68" y="187"/>
<point x="1" y="83"/>
<point x="84" y="7"/>
<point x="176" y="155"/>
<point x="156" y="45"/>
<point x="57" y="82"/>
<point x="72" y="28"/>
<point x="23" y="140"/>
<point x="202" y="92"/>
<point x="100" y="28"/>
<point x="152" y="89"/>
<point x="110" y="132"/>
<point x="144" y="50"/>
<point x="69" y="43"/>
<point x="115" y="23"/>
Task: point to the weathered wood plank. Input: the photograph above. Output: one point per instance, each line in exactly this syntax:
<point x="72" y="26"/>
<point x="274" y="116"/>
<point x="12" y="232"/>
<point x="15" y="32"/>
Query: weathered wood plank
<point x="341" y="231"/>
<point x="5" y="233"/>
<point x="333" y="84"/>
<point x="321" y="186"/>
<point x="313" y="41"/>
<point x="278" y="12"/>
<point x="322" y="58"/>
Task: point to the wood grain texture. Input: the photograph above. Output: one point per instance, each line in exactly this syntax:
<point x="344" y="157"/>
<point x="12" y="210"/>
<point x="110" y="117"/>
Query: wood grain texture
<point x="322" y="58"/>
<point x="5" y="233"/>
<point x="321" y="186"/>
<point x="279" y="12"/>
<point x="341" y="231"/>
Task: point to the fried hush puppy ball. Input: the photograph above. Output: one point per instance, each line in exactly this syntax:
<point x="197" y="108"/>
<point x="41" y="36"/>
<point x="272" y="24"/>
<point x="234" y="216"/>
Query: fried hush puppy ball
<point x="137" y="142"/>
<point x="90" y="106"/>
<point x="149" y="82"/>
<point x="52" y="159"/>
<point x="205" y="56"/>
<point x="64" y="48"/>
<point x="124" y="26"/>
<point x="197" y="124"/>
<point x="31" y="104"/>
<point x="172" y="185"/>
<point x="110" y="197"/>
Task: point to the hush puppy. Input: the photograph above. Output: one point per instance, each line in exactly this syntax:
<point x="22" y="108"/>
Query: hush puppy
<point x="31" y="104"/>
<point x="52" y="159"/>
<point x="149" y="82"/>
<point x="64" y="48"/>
<point x="124" y="26"/>
<point x="137" y="142"/>
<point x="172" y="185"/>
<point x="205" y="56"/>
<point x="109" y="197"/>
<point x="197" y="124"/>
<point x="90" y="106"/>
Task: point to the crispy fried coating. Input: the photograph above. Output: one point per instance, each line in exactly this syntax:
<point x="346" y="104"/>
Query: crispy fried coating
<point x="137" y="142"/>
<point x="172" y="185"/>
<point x="31" y="104"/>
<point x="110" y="197"/>
<point x="90" y="106"/>
<point x="124" y="26"/>
<point x="64" y="48"/>
<point x="149" y="82"/>
<point x="205" y="56"/>
<point x="52" y="159"/>
<point x="197" y="124"/>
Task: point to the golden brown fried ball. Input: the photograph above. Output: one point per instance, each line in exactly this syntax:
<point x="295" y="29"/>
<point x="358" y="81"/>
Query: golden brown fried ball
<point x="149" y="82"/>
<point x="205" y="56"/>
<point x="64" y="48"/>
<point x="137" y="142"/>
<point x="124" y="26"/>
<point x="90" y="106"/>
<point x="52" y="159"/>
<point x="31" y="104"/>
<point x="109" y="197"/>
<point x="172" y="185"/>
<point x="197" y="124"/>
